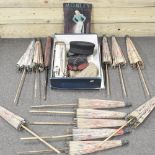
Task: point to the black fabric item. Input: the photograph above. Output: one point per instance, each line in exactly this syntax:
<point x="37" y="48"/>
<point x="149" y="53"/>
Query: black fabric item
<point x="77" y="62"/>
<point x="81" y="48"/>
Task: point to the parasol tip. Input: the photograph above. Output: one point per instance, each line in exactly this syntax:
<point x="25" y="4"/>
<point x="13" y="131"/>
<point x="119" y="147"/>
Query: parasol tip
<point x="127" y="130"/>
<point x="125" y="142"/>
<point x="128" y="104"/>
<point x="127" y="36"/>
<point x="113" y="36"/>
<point x="37" y="39"/>
<point x="104" y="35"/>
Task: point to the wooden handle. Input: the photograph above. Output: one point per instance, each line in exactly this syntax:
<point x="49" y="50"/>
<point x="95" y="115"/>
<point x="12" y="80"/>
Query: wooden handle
<point x="20" y="86"/>
<point x="40" y="139"/>
<point x="143" y="80"/>
<point x="122" y="81"/>
<point x="47" y="54"/>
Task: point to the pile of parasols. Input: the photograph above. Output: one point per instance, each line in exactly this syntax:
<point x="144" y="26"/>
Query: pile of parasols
<point x="95" y="121"/>
<point x="94" y="134"/>
<point x="117" y="59"/>
<point x="33" y="60"/>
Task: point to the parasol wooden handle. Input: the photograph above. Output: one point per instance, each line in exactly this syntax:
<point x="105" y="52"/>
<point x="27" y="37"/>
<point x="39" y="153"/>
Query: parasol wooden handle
<point x="48" y="137"/>
<point x="107" y="79"/>
<point x="122" y="81"/>
<point x="19" y="89"/>
<point x="113" y="134"/>
<point x="52" y="112"/>
<point x="143" y="80"/>
<point x="47" y="54"/>
<point x="47" y="61"/>
<point x="54" y="105"/>
<point x="53" y="123"/>
<point x="40" y="139"/>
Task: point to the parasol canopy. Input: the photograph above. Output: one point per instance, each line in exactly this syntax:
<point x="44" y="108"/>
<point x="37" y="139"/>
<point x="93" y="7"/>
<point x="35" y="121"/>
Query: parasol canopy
<point x="117" y="54"/>
<point x="133" y="54"/>
<point x="136" y="62"/>
<point x="84" y="123"/>
<point x="101" y="104"/>
<point x="25" y="62"/>
<point x="91" y="134"/>
<point x="38" y="57"/>
<point x="135" y="118"/>
<point x="141" y="113"/>
<point x="106" y="56"/>
<point x="86" y="147"/>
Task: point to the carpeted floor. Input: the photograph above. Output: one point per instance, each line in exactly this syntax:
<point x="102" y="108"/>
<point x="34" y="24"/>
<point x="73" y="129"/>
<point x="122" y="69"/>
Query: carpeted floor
<point x="142" y="140"/>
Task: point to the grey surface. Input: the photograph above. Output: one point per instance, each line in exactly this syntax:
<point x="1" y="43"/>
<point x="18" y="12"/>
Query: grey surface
<point x="142" y="140"/>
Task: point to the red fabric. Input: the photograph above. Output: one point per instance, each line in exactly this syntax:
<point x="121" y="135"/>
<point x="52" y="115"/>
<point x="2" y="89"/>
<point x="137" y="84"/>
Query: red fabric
<point x="77" y="68"/>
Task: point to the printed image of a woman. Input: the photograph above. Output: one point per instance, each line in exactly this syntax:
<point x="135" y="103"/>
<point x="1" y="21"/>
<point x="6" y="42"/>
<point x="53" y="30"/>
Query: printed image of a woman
<point x="79" y="20"/>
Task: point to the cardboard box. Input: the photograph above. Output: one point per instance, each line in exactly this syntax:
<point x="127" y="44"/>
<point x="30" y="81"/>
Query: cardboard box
<point x="82" y="82"/>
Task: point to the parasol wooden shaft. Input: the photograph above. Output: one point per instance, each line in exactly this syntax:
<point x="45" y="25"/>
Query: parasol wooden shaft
<point x="122" y="80"/>
<point x="53" y="105"/>
<point x="39" y="152"/>
<point x="107" y="79"/>
<point x="19" y="89"/>
<point x="113" y="134"/>
<point x="53" y="123"/>
<point x="45" y="84"/>
<point x="35" y="84"/>
<point x="39" y="86"/>
<point x="48" y="137"/>
<point x="52" y="112"/>
<point x="40" y="139"/>
<point x="143" y="80"/>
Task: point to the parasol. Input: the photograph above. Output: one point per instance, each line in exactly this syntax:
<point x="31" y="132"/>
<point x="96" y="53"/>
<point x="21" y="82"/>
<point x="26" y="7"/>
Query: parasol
<point x="136" y="61"/>
<point x="89" y="104"/>
<point x="25" y="65"/>
<point x="47" y="61"/>
<point x="84" y="134"/>
<point x="106" y="60"/>
<point x="85" y="123"/>
<point x="83" y="147"/>
<point x="118" y="61"/>
<point x="86" y="147"/>
<point x="19" y="123"/>
<point x="86" y="113"/>
<point x="38" y="66"/>
<point x="137" y="117"/>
